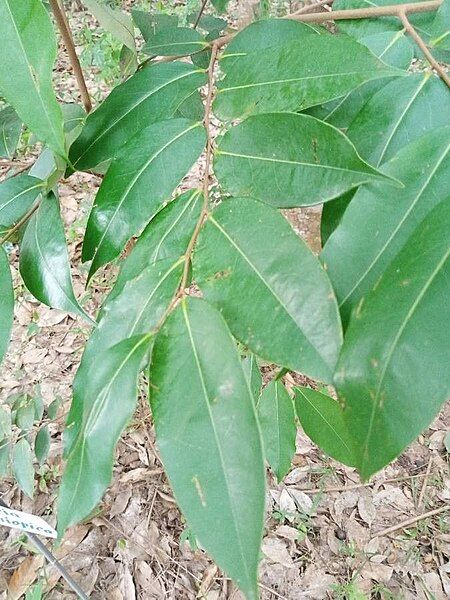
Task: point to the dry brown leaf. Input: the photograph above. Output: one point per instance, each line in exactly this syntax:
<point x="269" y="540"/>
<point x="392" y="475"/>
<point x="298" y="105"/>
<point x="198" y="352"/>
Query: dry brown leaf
<point x="24" y="576"/>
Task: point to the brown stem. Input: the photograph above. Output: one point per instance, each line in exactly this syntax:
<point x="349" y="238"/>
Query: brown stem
<point x="311" y="7"/>
<point x="21" y="221"/>
<point x="412" y="521"/>
<point x="419" y="41"/>
<point x="200" y="13"/>
<point x="70" y="47"/>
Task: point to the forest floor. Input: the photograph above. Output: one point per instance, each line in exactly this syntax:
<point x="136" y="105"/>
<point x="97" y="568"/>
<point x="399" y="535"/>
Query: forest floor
<point x="326" y="535"/>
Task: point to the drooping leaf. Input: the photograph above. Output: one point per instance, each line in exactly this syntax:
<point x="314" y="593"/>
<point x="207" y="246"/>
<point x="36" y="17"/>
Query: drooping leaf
<point x="332" y="213"/>
<point x="269" y="286"/>
<point x="44" y="263"/>
<point x="253" y="374"/>
<point x="10" y="130"/>
<point x="22" y="464"/>
<point x="42" y="444"/>
<point x="354" y="257"/>
<point x="398" y="114"/>
<point x="322" y="419"/>
<point x="399" y="335"/>
<point x="110" y="399"/>
<point x="17" y="196"/>
<point x="116" y="22"/>
<point x="150" y="23"/>
<point x="137" y="183"/>
<point x="30" y="44"/>
<point x="276" y="418"/>
<point x="208" y="437"/>
<point x="152" y="94"/>
<point x="6" y="303"/>
<point x="174" y="41"/>
<point x="440" y="27"/>
<point x="295" y="75"/>
<point x="288" y="160"/>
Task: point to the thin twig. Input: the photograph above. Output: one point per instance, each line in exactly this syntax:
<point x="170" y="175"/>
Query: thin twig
<point x="311" y="7"/>
<point x="19" y="223"/>
<point x="412" y="521"/>
<point x="419" y="41"/>
<point x="66" y="35"/>
<point x="424" y="484"/>
<point x="200" y="13"/>
<point x="355" y="486"/>
<point x="34" y="539"/>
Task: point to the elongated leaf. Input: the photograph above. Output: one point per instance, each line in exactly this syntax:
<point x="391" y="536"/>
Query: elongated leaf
<point x="152" y="94"/>
<point x="440" y="27"/>
<point x="29" y="40"/>
<point x="22" y="464"/>
<point x="209" y="439"/>
<point x="269" y="286"/>
<point x="398" y="114"/>
<point x="322" y="419"/>
<point x="137" y="183"/>
<point x="116" y="22"/>
<point x="6" y="303"/>
<point x="253" y="374"/>
<point x="399" y="335"/>
<point x="150" y="23"/>
<point x="276" y="418"/>
<point x="42" y="444"/>
<point x="332" y="213"/>
<point x="174" y="41"/>
<point x="110" y="400"/>
<point x="44" y="263"/>
<point x="354" y="257"/>
<point x="10" y="130"/>
<point x="295" y="75"/>
<point x="17" y="196"/>
<point x="289" y="160"/>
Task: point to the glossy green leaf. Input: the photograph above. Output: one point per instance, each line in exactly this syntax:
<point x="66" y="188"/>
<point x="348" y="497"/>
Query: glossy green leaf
<point x="44" y="263"/>
<point x="276" y="418"/>
<point x="137" y="183"/>
<point x="332" y="213"/>
<point x="322" y="419"/>
<point x="6" y="303"/>
<point x="110" y="399"/>
<point x="17" y="196"/>
<point x="378" y="222"/>
<point x="152" y="94"/>
<point x="267" y="274"/>
<point x="116" y="22"/>
<point x="295" y="75"/>
<point x="393" y="372"/>
<point x="42" y="444"/>
<point x="288" y="160"/>
<point x="29" y="40"/>
<point x="150" y="23"/>
<point x="398" y="114"/>
<point x="208" y="437"/>
<point x="10" y="130"/>
<point x="22" y="464"/>
<point x="440" y="27"/>
<point x="174" y="41"/>
<point x="253" y="375"/>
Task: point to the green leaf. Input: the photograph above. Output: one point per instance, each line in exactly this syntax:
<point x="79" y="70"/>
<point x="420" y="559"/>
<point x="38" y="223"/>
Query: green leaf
<point x="354" y="257"/>
<point x="440" y="27"/>
<point x="128" y="62"/>
<point x="398" y="114"/>
<point x="208" y="23"/>
<point x="399" y="335"/>
<point x="17" y="195"/>
<point x="209" y="439"/>
<point x="137" y="183"/>
<point x="110" y="399"/>
<point x="44" y="263"/>
<point x="152" y="94"/>
<point x="276" y="418"/>
<point x="10" y="131"/>
<point x="22" y="464"/>
<point x="150" y="23"/>
<point x="332" y="213"/>
<point x="5" y="423"/>
<point x="42" y="444"/>
<point x="392" y="47"/>
<point x="4" y="458"/>
<point x="174" y="41"/>
<point x="253" y="374"/>
<point x="27" y="34"/>
<point x="268" y="272"/>
<point x="6" y="303"/>
<point x="191" y="108"/>
<point x="24" y="418"/>
<point x="220" y="5"/>
<point x="295" y="75"/>
<point x="322" y="419"/>
<point x="116" y="22"/>
<point x="287" y="160"/>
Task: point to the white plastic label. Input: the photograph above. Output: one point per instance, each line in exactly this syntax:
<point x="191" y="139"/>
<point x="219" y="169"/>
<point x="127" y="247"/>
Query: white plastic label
<point x="20" y="520"/>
